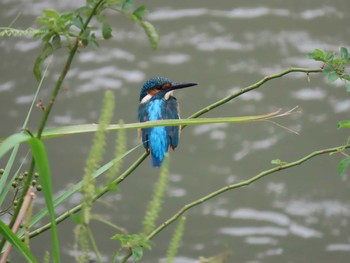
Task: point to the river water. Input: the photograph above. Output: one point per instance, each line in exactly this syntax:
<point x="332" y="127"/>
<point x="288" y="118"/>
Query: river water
<point x="297" y="215"/>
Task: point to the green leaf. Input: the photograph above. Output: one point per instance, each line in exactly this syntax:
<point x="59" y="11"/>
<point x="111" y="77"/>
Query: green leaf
<point x="66" y="17"/>
<point x="140" y="12"/>
<point x="343" y="124"/>
<point x="343" y="165"/>
<point x="151" y="33"/>
<point x="47" y="51"/>
<point x="318" y="55"/>
<point x="127" y="5"/>
<point x="78" y="22"/>
<point x="56" y="42"/>
<point x="106" y="31"/>
<point x="93" y="40"/>
<point x="12" y="141"/>
<point x="16" y="242"/>
<point x="346" y="77"/>
<point x="85" y="10"/>
<point x="42" y="162"/>
<point x="51" y="13"/>
<point x="344" y="53"/>
<point x="327" y="70"/>
<point x="332" y="77"/>
<point x="137" y="253"/>
<point x="329" y="56"/>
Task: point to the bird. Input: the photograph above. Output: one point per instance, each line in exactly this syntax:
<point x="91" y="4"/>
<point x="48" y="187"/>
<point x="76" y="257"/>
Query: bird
<point x="158" y="103"/>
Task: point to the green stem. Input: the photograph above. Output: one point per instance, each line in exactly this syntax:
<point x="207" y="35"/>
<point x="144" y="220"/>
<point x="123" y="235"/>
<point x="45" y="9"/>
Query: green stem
<point x="126" y="257"/>
<point x="94" y="245"/>
<point x="65" y="71"/>
<point x="252" y="87"/>
<point x="47" y="111"/>
<point x="245" y="183"/>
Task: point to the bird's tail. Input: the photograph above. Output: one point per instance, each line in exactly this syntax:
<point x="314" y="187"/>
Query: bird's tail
<point x="156" y="161"/>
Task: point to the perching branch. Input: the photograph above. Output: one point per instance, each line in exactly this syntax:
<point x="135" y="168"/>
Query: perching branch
<point x="245" y="183"/>
<point x="252" y="87"/>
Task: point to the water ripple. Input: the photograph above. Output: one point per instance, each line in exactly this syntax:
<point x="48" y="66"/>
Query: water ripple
<point x="320" y="12"/>
<point x="308" y="208"/>
<point x="108" y="55"/>
<point x="249" y="146"/>
<point x="172" y="59"/>
<point x="273" y="217"/>
<point x="9" y="85"/>
<point x="338" y="247"/>
<point x="246" y="12"/>
<point x="168" y="14"/>
<point x="261" y="240"/>
<point x="249" y="231"/>
<point x="341" y="106"/>
<point x="303" y="231"/>
<point x="310" y="94"/>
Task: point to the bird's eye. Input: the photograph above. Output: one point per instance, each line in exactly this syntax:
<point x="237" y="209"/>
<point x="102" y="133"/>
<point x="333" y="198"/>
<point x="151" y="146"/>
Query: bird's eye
<point x="166" y="86"/>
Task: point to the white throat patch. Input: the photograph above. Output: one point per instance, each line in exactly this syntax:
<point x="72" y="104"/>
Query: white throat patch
<point x="148" y="97"/>
<point x="168" y="94"/>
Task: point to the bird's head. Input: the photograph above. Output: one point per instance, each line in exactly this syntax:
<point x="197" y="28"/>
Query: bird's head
<point x="158" y="87"/>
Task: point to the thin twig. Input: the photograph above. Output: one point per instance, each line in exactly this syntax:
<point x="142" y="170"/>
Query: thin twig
<point x="252" y="87"/>
<point x="244" y="183"/>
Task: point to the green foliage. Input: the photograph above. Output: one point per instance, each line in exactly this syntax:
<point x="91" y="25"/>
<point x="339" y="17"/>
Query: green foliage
<point x="135" y="243"/>
<point x="175" y="241"/>
<point x="343" y="165"/>
<point x="74" y="27"/>
<point x="154" y="206"/>
<point x="343" y="124"/>
<point x="336" y="67"/>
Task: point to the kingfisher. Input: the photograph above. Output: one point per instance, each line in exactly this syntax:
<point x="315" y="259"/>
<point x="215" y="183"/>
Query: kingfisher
<point x="158" y="103"/>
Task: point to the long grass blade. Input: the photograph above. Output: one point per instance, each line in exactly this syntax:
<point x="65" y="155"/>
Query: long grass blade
<point x="42" y="162"/>
<point x="16" y="242"/>
<point x="86" y="128"/>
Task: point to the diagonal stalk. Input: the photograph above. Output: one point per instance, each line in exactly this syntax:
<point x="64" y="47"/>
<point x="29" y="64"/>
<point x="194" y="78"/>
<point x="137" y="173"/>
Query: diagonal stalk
<point x="105" y="190"/>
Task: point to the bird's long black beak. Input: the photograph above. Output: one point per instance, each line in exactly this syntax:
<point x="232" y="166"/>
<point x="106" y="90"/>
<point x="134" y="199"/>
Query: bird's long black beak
<point x="182" y="85"/>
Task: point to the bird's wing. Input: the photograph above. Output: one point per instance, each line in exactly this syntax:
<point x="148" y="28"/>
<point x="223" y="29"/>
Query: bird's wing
<point x="172" y="112"/>
<point x="143" y="133"/>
